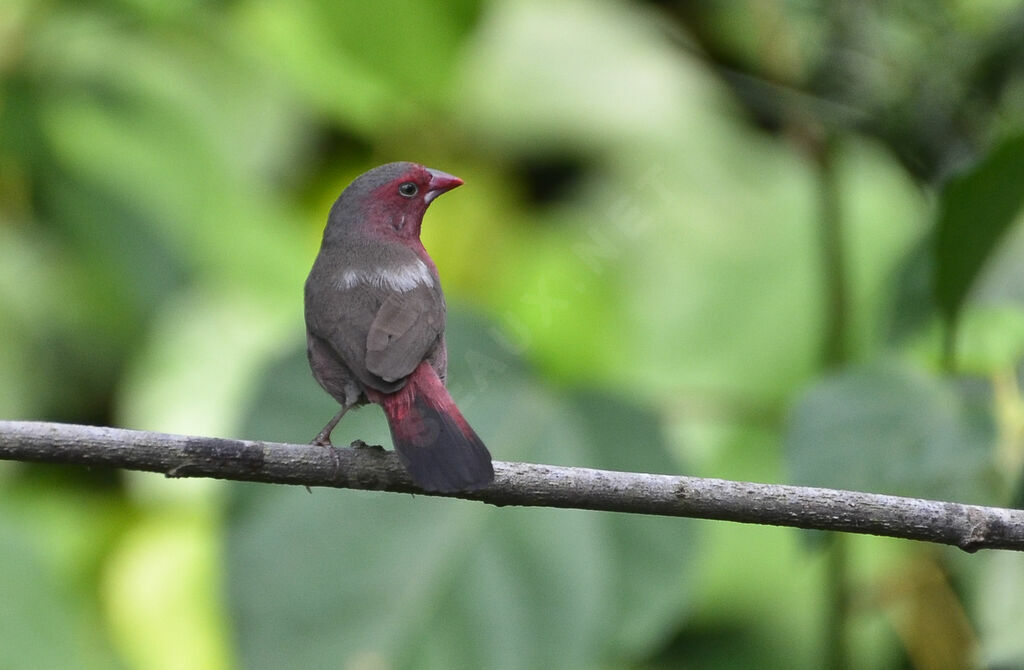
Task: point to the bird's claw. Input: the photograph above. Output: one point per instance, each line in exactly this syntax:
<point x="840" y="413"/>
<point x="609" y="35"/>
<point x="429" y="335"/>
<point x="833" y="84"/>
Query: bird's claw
<point x="359" y="444"/>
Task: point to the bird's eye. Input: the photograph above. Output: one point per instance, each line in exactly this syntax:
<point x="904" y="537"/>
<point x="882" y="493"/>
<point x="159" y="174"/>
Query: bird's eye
<point x="408" y="189"/>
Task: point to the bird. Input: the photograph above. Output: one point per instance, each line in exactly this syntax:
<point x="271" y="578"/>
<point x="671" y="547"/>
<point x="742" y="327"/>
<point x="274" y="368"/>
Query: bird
<point x="375" y="325"/>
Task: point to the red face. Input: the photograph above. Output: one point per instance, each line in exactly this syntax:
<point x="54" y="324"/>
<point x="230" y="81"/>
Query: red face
<point x="401" y="202"/>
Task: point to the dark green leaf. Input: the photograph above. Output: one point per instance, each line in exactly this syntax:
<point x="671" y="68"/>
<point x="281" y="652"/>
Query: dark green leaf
<point x="913" y="303"/>
<point x="42" y="623"/>
<point x="976" y="210"/>
<point x="896" y="431"/>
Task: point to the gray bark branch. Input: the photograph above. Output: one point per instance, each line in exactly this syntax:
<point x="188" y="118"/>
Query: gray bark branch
<point x="969" y="527"/>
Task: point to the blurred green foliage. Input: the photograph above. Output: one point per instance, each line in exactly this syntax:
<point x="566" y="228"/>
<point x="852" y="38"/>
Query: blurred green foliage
<point x="775" y="241"/>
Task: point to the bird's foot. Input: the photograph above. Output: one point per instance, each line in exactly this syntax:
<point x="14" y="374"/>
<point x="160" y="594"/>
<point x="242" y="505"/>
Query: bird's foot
<point x="359" y="444"/>
<point x="322" y="440"/>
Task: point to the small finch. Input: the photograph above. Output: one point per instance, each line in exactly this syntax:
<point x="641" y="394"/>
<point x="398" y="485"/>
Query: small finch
<point x="375" y="319"/>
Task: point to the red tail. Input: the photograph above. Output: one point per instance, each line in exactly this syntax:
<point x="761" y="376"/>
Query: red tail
<point x="433" y="440"/>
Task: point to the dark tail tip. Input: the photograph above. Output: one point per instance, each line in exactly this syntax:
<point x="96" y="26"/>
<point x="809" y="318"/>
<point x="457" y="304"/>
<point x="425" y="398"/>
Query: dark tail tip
<point x="440" y="454"/>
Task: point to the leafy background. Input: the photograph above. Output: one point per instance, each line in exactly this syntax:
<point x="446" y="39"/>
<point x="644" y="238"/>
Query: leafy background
<point x="773" y="241"/>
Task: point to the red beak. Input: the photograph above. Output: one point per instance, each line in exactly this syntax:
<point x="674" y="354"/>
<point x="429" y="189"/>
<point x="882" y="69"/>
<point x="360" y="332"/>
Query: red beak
<point x="440" y="182"/>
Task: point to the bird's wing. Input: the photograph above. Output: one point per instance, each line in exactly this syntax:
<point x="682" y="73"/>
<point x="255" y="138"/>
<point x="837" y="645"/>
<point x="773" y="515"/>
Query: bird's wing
<point x="406" y="328"/>
<point x="340" y="320"/>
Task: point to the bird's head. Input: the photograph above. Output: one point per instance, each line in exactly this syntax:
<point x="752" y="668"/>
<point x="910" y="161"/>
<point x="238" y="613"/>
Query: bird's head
<point x="388" y="201"/>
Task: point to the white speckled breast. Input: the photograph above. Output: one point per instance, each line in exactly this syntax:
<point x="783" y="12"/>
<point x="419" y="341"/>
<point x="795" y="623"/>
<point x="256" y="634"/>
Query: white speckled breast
<point x="401" y="279"/>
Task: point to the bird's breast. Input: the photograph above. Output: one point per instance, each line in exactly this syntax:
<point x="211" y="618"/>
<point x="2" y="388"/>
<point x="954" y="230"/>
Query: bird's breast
<point x="398" y="278"/>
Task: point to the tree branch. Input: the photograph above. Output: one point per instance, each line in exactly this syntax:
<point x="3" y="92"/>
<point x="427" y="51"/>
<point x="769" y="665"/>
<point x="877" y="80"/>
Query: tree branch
<point x="969" y="527"/>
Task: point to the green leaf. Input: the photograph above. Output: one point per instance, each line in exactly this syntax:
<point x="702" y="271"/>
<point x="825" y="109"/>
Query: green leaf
<point x="991" y="339"/>
<point x="162" y="595"/>
<point x="896" y="431"/>
<point x="386" y="62"/>
<point x="1003" y="278"/>
<point x="195" y="373"/>
<point x="976" y="210"/>
<point x="1000" y="610"/>
<point x="912" y="306"/>
<point x="414" y="582"/>
<point x="42" y="623"/>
